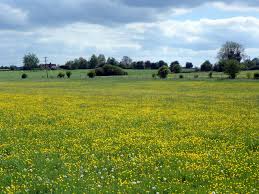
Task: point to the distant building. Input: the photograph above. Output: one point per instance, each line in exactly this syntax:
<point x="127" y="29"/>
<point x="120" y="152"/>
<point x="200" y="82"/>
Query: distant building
<point x="49" y="66"/>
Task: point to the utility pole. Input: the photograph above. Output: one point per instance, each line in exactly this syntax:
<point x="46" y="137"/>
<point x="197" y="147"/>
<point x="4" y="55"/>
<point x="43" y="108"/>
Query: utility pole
<point x="47" y="73"/>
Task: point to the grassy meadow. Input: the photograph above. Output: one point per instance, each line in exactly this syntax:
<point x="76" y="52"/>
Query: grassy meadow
<point x="128" y="134"/>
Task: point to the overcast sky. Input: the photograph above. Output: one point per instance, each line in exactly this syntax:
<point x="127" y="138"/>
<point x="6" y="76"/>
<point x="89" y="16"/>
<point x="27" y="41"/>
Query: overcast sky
<point x="186" y="30"/>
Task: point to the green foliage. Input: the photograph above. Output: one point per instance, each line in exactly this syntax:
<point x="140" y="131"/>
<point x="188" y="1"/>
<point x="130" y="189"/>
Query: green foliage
<point x="93" y="63"/>
<point x="24" y="76"/>
<point x="196" y="76"/>
<point x="232" y="68"/>
<point x="256" y="75"/>
<point x="206" y="66"/>
<point x="91" y="74"/>
<point x="163" y="72"/>
<point x="189" y="65"/>
<point x="249" y="75"/>
<point x="175" y="67"/>
<point x="68" y="73"/>
<point x="61" y="75"/>
<point x="211" y="74"/>
<point x="110" y="70"/>
<point x="231" y="51"/>
<point x="30" y="61"/>
<point x="181" y="76"/>
<point x="154" y="75"/>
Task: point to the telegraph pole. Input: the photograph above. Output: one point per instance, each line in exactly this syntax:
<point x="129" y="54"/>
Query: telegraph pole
<point x="47" y="73"/>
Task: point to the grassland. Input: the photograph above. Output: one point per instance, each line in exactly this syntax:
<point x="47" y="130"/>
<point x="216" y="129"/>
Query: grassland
<point x="128" y="135"/>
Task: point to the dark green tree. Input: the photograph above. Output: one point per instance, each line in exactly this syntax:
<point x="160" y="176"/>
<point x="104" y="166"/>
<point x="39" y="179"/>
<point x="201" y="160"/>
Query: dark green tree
<point x="206" y="66"/>
<point x="93" y="63"/>
<point x="163" y="72"/>
<point x="30" y="61"/>
<point x="232" y="68"/>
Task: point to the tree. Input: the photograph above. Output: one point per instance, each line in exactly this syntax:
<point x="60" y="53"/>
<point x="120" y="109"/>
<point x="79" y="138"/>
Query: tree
<point x="83" y="64"/>
<point x="189" y="65"/>
<point x="163" y="72"/>
<point x="126" y="62"/>
<point x="112" y="61"/>
<point x="232" y="51"/>
<point x="101" y="60"/>
<point x="148" y="65"/>
<point x="206" y="66"/>
<point x="219" y="67"/>
<point x="175" y="67"/>
<point x="30" y="61"/>
<point x="161" y="63"/>
<point x="93" y="63"/>
<point x="139" y="65"/>
<point x="232" y="68"/>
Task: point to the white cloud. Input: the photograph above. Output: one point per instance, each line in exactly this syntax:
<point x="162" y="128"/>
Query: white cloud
<point x="12" y="16"/>
<point x="237" y="7"/>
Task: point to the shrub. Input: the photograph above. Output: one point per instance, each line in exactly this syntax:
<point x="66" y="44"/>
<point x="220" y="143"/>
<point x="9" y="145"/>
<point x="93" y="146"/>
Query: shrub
<point x="61" y="75"/>
<point x="232" y="68"/>
<point x="68" y="73"/>
<point x="256" y="75"/>
<point x="24" y="76"/>
<point x="110" y="70"/>
<point x="181" y="76"/>
<point x="163" y="72"/>
<point x="91" y="74"/>
<point x="248" y="75"/>
<point x="211" y="74"/>
<point x="196" y="76"/>
<point x="154" y="75"/>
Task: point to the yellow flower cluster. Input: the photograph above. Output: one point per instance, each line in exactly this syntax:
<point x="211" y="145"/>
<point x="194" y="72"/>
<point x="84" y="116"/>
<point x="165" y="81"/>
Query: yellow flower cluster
<point x="128" y="136"/>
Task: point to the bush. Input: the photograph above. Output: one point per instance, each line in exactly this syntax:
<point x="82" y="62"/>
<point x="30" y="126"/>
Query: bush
<point x="154" y="75"/>
<point x="110" y="70"/>
<point x="256" y="75"/>
<point x="24" y="76"/>
<point x="91" y="74"/>
<point x="211" y="74"/>
<point x="163" y="72"/>
<point x="232" y="68"/>
<point x="61" y="75"/>
<point x="181" y="76"/>
<point x="196" y="76"/>
<point x="248" y="75"/>
<point x="68" y="73"/>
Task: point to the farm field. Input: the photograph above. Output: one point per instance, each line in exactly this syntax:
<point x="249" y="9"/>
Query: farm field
<point x="121" y="135"/>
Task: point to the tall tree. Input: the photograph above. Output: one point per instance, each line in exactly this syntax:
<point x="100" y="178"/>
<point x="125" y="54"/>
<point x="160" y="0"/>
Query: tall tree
<point x="126" y="62"/>
<point x="93" y="63"/>
<point x="188" y="65"/>
<point x="112" y="61"/>
<point x="30" y="61"/>
<point x="206" y="66"/>
<point x="232" y="51"/>
<point x="101" y="60"/>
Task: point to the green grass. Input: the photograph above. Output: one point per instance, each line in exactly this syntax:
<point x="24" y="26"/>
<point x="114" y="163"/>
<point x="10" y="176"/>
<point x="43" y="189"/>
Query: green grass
<point x="133" y="74"/>
<point x="128" y="134"/>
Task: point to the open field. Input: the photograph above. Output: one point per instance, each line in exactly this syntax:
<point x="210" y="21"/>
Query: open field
<point x="112" y="135"/>
<point x="133" y="74"/>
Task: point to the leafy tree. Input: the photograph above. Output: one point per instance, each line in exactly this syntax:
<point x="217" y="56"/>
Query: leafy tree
<point x="175" y="67"/>
<point x="163" y="72"/>
<point x="139" y="65"/>
<point x="30" y="61"/>
<point x="126" y="62"/>
<point x="206" y="66"/>
<point x="189" y="65"/>
<point x="101" y="60"/>
<point x="82" y="63"/>
<point x="93" y="63"/>
<point x="232" y="68"/>
<point x="219" y="67"/>
<point x="161" y="63"/>
<point x="232" y="51"/>
<point x="112" y="61"/>
<point x="148" y="65"/>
